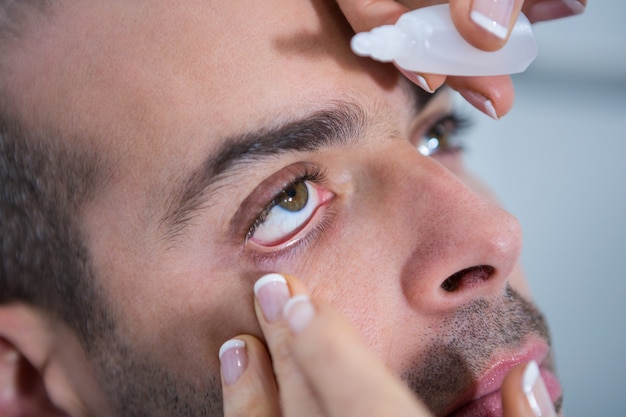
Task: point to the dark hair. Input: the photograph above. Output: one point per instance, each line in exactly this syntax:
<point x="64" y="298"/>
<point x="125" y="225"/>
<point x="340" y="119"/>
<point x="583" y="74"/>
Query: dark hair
<point x="44" y="182"/>
<point x="43" y="257"/>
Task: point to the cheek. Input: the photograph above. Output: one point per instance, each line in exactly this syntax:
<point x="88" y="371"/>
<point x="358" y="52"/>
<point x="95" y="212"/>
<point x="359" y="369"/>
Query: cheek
<point x="363" y="285"/>
<point x="355" y="270"/>
<point x="180" y="308"/>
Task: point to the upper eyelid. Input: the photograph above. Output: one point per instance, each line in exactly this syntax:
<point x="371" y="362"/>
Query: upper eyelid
<point x="461" y="123"/>
<point x="264" y="193"/>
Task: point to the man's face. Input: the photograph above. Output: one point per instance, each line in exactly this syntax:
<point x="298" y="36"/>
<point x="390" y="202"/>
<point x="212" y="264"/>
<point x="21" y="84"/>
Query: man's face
<point x="244" y="139"/>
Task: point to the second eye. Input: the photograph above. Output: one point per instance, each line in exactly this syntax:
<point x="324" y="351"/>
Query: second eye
<point x="443" y="136"/>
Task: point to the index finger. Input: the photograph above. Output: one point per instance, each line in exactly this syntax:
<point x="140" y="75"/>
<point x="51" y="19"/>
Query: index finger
<point x="486" y="24"/>
<point x="364" y="15"/>
<point x="346" y="377"/>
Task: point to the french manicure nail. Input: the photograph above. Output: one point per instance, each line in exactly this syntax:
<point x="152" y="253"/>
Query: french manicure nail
<point x="493" y="15"/>
<point x="481" y="102"/>
<point x="421" y="81"/>
<point x="234" y="359"/>
<point x="298" y="312"/>
<point x="554" y="9"/>
<point x="536" y="392"/>
<point x="272" y="292"/>
<point x="417" y="79"/>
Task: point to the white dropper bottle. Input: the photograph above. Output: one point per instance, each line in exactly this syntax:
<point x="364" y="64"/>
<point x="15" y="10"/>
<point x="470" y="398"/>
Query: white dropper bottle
<point x="425" y="40"/>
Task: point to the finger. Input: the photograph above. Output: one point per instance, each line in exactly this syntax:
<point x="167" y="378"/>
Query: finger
<point x="248" y="385"/>
<point x="364" y="15"/>
<point x="493" y="95"/>
<point x="428" y="82"/>
<point x="346" y="377"/>
<point x="271" y="294"/>
<point x="524" y="393"/>
<point x="486" y="24"/>
<point x="541" y="10"/>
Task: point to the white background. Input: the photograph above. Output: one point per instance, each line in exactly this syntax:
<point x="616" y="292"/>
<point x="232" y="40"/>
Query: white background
<point x="558" y="162"/>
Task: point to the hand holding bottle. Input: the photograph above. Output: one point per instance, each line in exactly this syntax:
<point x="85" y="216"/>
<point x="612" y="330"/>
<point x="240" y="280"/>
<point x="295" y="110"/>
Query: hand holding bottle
<point x="425" y="40"/>
<point x="485" y="24"/>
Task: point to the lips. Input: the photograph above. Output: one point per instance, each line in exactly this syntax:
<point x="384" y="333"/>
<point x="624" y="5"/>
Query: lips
<point x="484" y="398"/>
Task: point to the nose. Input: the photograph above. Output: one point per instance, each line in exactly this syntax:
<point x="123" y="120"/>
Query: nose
<point x="462" y="246"/>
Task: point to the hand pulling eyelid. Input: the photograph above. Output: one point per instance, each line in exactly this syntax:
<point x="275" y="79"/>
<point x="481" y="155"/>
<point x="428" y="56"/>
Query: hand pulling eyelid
<point x="425" y="40"/>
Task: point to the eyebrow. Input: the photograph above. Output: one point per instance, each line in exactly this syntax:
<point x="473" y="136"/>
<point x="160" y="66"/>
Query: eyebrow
<point x="341" y="124"/>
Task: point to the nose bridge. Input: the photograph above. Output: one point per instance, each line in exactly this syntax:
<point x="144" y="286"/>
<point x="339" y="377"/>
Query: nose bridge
<point x="461" y="245"/>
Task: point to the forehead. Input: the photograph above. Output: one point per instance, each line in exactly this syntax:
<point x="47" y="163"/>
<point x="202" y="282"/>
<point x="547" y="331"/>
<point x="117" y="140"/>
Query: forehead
<point x="117" y="66"/>
<point x="157" y="85"/>
<point x="154" y="84"/>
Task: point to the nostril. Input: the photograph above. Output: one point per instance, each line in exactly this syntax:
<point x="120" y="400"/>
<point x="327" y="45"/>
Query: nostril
<point x="468" y="277"/>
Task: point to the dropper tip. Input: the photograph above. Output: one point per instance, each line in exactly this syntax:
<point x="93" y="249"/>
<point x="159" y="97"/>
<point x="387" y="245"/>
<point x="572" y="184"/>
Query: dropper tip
<point x="384" y="43"/>
<point x="361" y="44"/>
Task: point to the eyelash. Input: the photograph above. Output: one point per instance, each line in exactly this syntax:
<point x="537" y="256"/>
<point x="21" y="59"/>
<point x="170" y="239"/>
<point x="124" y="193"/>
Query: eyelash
<point x="310" y="173"/>
<point x="458" y="123"/>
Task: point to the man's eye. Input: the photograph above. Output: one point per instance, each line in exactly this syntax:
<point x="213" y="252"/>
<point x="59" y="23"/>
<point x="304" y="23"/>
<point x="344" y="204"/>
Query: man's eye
<point x="443" y="136"/>
<point x="288" y="213"/>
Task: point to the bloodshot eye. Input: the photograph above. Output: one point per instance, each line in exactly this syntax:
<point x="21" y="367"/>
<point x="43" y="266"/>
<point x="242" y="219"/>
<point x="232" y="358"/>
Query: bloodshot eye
<point x="288" y="213"/>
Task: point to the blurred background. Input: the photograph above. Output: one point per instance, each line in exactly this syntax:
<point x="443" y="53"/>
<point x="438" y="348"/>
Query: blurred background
<point x="558" y="162"/>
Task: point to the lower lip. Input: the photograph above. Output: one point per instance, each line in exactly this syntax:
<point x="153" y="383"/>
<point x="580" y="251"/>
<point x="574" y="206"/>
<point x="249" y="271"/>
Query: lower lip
<point x="490" y="405"/>
<point x="487" y="406"/>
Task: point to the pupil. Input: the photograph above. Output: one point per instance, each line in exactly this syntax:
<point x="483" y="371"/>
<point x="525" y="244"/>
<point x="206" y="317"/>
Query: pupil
<point x="294" y="197"/>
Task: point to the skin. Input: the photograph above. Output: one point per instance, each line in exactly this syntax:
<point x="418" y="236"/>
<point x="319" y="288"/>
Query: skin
<point x="156" y="88"/>
<point x="325" y="368"/>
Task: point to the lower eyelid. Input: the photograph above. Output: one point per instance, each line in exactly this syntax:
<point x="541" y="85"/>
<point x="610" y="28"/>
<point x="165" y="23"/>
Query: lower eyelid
<point x="290" y="256"/>
<point x="324" y="198"/>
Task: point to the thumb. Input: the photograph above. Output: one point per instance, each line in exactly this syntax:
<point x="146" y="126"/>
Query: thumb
<point x="486" y="24"/>
<point x="248" y="384"/>
<point x="524" y="394"/>
<point x="364" y="15"/>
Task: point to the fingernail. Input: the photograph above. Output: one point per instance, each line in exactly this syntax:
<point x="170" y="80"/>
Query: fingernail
<point x="234" y="359"/>
<point x="481" y="102"/>
<point x="417" y="79"/>
<point x="493" y="15"/>
<point x="536" y="392"/>
<point x="421" y="81"/>
<point x="272" y="292"/>
<point x="554" y="9"/>
<point x="298" y="312"/>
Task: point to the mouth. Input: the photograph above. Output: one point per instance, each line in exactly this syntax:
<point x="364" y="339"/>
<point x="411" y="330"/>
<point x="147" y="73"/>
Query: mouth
<point x="484" y="398"/>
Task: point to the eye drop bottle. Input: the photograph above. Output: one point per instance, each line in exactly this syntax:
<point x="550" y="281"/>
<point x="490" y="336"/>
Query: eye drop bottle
<point x="425" y="40"/>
